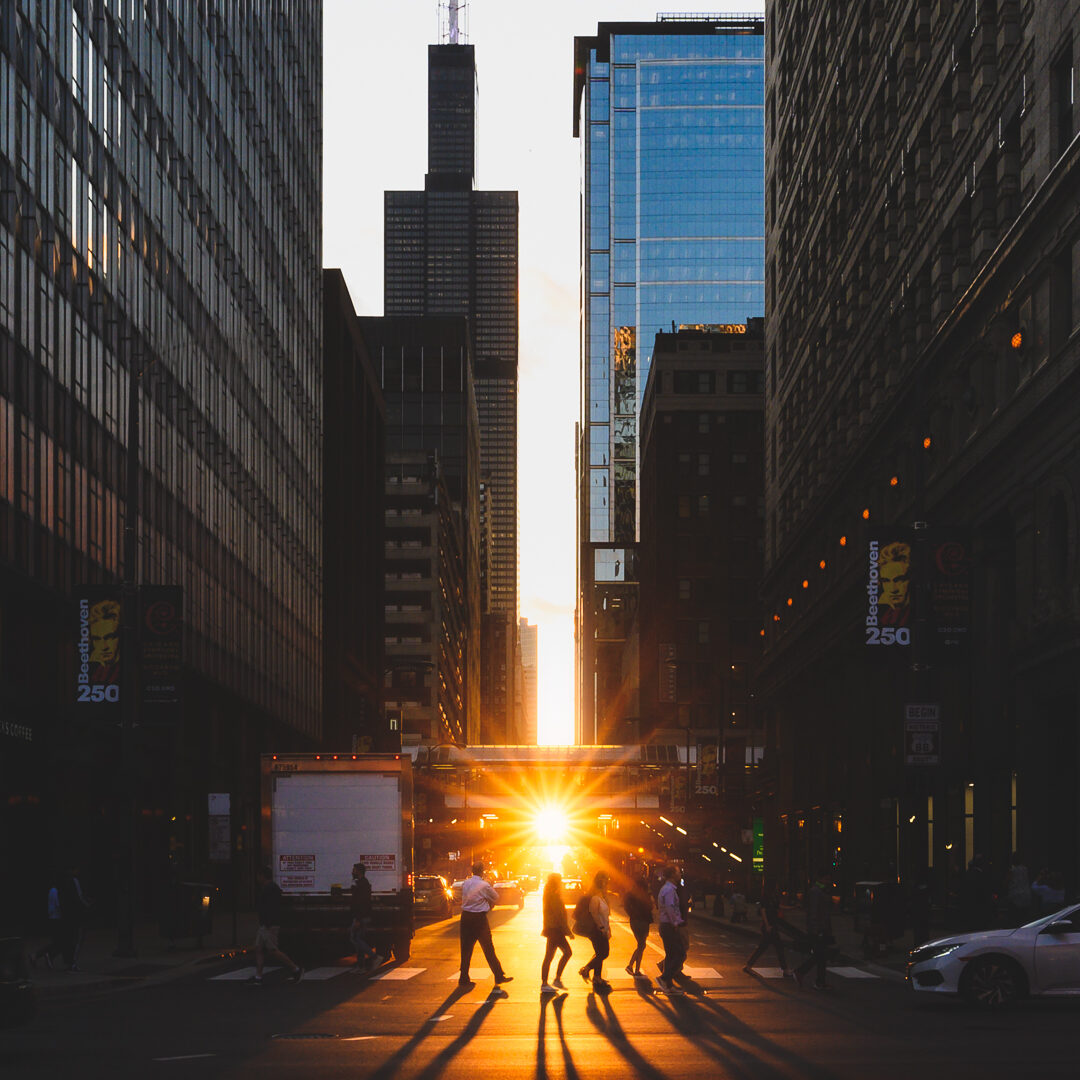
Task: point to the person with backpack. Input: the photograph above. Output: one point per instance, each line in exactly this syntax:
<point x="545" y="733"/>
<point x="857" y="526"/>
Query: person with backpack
<point x="56" y="930"/>
<point x="638" y="906"/>
<point x="597" y="928"/>
<point x="556" y="930"/>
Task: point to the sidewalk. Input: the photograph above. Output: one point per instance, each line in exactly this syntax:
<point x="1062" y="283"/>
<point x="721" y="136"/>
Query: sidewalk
<point x="158" y="959"/>
<point x="849" y="941"/>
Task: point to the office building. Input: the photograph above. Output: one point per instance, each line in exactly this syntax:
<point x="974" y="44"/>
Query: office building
<point x="160" y="225"/>
<point x="354" y="487"/>
<point x="702" y="503"/>
<point x="528" y="635"/>
<point x="429" y="644"/>
<point x="671" y="119"/>
<point x="922" y="366"/>
<point x="422" y="364"/>
<point x="452" y="250"/>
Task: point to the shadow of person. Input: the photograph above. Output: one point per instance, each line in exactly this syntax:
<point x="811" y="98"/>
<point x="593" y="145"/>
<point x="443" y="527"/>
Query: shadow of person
<point x="607" y="1023"/>
<point x="739" y="1048"/>
<point x="391" y="1067"/>
<point x="541" y="1037"/>
<point x="568" y="1061"/>
<point x="447" y="1054"/>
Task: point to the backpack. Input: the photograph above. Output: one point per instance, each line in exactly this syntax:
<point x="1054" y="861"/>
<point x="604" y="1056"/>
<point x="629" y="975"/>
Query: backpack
<point x="584" y="923"/>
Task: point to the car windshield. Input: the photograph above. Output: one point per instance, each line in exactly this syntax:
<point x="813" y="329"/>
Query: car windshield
<point x="1061" y="915"/>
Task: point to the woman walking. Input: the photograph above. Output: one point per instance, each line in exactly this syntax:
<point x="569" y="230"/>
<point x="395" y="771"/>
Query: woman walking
<point x="556" y="930"/>
<point x="600" y="935"/>
<point x="638" y="905"/>
<point x="770" y="931"/>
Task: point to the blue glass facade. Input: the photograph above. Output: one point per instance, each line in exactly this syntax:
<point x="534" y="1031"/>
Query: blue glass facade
<point x="672" y="127"/>
<point x="671" y="120"/>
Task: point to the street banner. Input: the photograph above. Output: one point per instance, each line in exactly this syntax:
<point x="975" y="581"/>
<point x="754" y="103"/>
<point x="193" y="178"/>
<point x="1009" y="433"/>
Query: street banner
<point x="97" y="639"/>
<point x="706" y="775"/>
<point x="889" y="590"/>
<point x="668" y="675"/>
<point x="161" y="629"/>
<point x="949" y="574"/>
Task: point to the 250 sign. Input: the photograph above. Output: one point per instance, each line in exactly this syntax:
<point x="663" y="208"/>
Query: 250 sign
<point x="99" y="693"/>
<point x="888" y="635"/>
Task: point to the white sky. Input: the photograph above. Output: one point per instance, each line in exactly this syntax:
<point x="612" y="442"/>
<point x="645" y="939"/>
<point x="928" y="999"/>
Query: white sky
<point x="375" y="139"/>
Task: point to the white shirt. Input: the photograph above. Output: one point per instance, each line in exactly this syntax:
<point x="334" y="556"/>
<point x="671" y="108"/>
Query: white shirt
<point x="477" y="895"/>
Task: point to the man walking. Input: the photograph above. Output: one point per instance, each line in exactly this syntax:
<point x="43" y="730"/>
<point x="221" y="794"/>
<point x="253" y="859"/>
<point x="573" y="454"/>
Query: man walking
<point x="819" y="928"/>
<point x="366" y="956"/>
<point x="477" y="899"/>
<point x="269" y="907"/>
<point x="670" y="921"/>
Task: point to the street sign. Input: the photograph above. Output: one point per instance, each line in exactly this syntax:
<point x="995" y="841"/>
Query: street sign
<point x="218" y="804"/>
<point x="922" y="733"/>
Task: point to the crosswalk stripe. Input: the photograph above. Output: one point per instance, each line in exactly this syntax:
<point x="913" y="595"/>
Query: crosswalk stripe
<point x="769" y="973"/>
<point x="476" y="974"/>
<point x="320" y="973"/>
<point x="853" y="973"/>
<point x="240" y="974"/>
<point x="398" y="974"/>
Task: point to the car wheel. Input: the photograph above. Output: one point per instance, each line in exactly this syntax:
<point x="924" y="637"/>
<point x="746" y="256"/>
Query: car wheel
<point x="993" y="982"/>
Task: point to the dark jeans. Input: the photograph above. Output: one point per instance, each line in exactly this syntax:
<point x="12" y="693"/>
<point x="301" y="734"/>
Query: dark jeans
<point x="601" y="949"/>
<point x="674" y="952"/>
<point x="555" y="941"/>
<point x="820" y="948"/>
<point x="769" y="937"/>
<point x="474" y="929"/>
<point x="358" y="933"/>
<point x="640" y="930"/>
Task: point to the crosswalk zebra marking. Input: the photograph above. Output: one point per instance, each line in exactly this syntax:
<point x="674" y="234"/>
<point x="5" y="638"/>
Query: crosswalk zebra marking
<point x="240" y="974"/>
<point x="398" y="974"/>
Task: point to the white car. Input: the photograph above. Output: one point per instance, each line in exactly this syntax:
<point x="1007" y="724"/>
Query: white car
<point x="993" y="968"/>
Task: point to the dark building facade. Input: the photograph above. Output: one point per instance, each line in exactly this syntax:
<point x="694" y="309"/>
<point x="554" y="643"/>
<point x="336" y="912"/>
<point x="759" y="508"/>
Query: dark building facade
<point x="354" y="488"/>
<point x="160" y="228"/>
<point x="423" y="367"/>
<point x="670" y="115"/>
<point x="429" y="642"/>
<point x="453" y="250"/>
<point x="922" y="464"/>
<point x="702" y="500"/>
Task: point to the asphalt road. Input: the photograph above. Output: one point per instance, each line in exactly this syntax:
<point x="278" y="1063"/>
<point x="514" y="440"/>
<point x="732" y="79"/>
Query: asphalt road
<point x="412" y="1021"/>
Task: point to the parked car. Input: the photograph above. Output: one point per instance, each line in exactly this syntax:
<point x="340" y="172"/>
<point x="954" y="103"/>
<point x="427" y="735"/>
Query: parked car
<point x="994" y="968"/>
<point x="455" y="890"/>
<point x="510" y="893"/>
<point x="432" y="893"/>
<point x="572" y="890"/>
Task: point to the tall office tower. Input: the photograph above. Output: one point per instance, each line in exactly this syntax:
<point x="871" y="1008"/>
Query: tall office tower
<point x="702" y="489"/>
<point x="922" y="468"/>
<point x="354" y="490"/>
<point x="453" y="250"/>
<point x="671" y="119"/>
<point x="528" y="635"/>
<point x="423" y="367"/>
<point x="161" y="222"/>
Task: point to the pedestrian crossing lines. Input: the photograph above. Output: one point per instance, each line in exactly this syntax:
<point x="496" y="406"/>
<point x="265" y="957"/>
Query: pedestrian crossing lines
<point x="843" y="972"/>
<point x="320" y="974"/>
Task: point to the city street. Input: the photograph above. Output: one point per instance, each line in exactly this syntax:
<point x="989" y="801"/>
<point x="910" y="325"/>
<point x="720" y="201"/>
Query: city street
<point x="412" y="1021"/>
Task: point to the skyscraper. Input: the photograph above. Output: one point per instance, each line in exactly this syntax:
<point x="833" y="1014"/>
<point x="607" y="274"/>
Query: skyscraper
<point x="161" y="228"/>
<point x="453" y="250"/>
<point x="529" y="635"/>
<point x="671" y="118"/>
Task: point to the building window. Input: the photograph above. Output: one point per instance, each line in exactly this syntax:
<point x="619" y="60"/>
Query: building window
<point x="703" y="423"/>
<point x="703" y="506"/>
<point x="1062" y="94"/>
<point x="703" y="464"/>
<point x="684" y="506"/>
<point x="703" y="633"/>
<point x="684" y="588"/>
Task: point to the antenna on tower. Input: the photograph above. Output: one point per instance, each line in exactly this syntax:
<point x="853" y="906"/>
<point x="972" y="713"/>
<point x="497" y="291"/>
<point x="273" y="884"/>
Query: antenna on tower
<point x="453" y="22"/>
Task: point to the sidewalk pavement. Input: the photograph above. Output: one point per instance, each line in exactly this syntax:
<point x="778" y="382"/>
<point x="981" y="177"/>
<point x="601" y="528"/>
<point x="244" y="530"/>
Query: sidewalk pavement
<point x="850" y="942"/>
<point x="158" y="959"/>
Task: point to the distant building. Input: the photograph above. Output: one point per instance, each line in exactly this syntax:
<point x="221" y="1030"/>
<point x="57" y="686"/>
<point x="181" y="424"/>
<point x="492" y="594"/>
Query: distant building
<point x="528" y="635"/>
<point x="354" y="485"/>
<point x="453" y="250"/>
<point x="923" y="440"/>
<point x="671" y="119"/>
<point x="423" y="368"/>
<point x="427" y="634"/>
<point x="702" y="497"/>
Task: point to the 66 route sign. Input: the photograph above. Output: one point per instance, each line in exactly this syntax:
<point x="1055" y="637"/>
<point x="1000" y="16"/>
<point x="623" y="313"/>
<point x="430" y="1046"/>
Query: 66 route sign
<point x="922" y="733"/>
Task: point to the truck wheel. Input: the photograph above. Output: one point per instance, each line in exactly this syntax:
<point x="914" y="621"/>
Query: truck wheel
<point x="402" y="947"/>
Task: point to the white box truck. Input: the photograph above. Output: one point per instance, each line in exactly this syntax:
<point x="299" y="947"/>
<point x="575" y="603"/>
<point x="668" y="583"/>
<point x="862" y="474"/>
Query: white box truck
<point x="323" y="813"/>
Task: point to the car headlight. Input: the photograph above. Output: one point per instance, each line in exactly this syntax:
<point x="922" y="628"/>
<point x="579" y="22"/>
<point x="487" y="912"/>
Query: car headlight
<point x="932" y="952"/>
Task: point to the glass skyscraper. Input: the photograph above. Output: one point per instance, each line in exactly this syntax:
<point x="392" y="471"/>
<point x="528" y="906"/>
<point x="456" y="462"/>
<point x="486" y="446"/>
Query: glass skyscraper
<point x="671" y="121"/>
